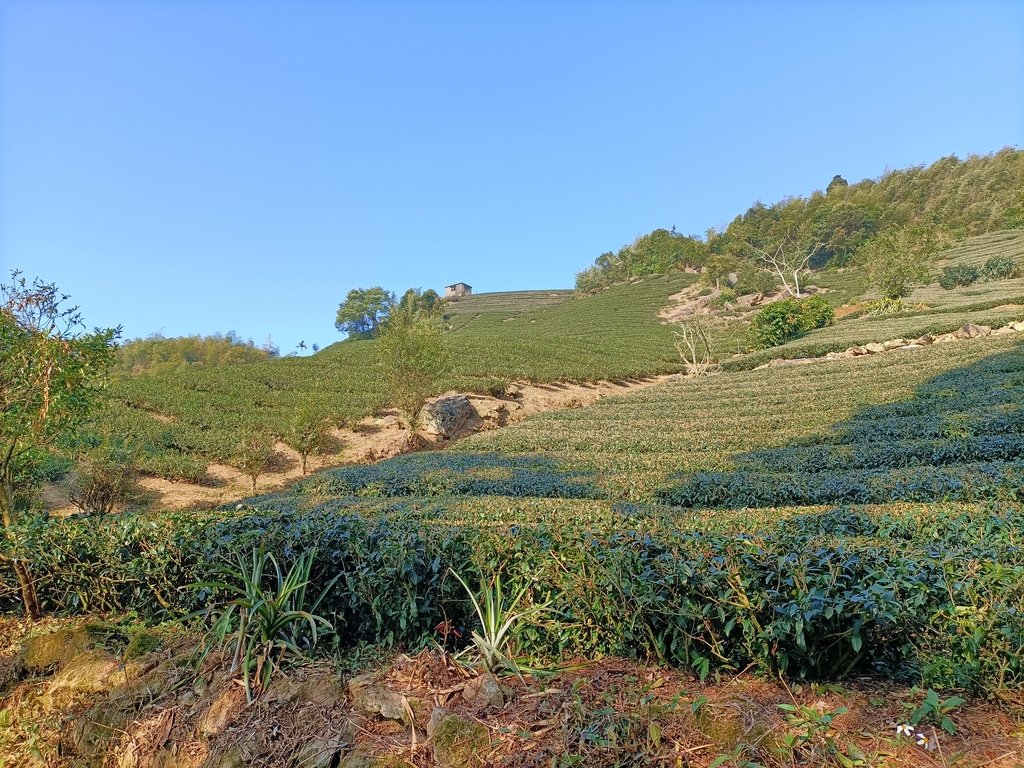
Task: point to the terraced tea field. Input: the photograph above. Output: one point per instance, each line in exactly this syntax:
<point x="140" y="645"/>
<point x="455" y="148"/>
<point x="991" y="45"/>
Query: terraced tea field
<point x="185" y="419"/>
<point x="635" y="443"/>
<point x="856" y="516"/>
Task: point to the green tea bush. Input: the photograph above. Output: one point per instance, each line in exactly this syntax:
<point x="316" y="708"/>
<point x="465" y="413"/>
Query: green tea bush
<point x="820" y="595"/>
<point x="1000" y="268"/>
<point x="785" y="320"/>
<point x="958" y="276"/>
<point x="452" y="474"/>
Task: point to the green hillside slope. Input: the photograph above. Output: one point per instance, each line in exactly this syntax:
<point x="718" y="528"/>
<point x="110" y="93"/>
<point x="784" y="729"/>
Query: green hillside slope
<point x="185" y="418"/>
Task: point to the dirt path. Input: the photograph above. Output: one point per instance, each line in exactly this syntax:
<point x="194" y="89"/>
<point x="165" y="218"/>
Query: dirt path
<point x="372" y="439"/>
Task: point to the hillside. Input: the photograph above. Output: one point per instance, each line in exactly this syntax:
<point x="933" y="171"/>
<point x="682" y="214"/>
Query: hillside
<point x="185" y="418"/>
<point x="734" y="557"/>
<point x="189" y="416"/>
<point x="951" y="197"/>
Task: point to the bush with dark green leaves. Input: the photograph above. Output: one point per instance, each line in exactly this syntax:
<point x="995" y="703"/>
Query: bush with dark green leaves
<point x="785" y="320"/>
<point x="1000" y="268"/>
<point x="819" y="594"/>
<point x="959" y="276"/>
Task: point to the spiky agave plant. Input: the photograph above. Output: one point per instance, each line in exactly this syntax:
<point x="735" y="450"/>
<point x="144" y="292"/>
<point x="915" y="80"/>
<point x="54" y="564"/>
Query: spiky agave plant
<point x="500" y="621"/>
<point x="263" y="626"/>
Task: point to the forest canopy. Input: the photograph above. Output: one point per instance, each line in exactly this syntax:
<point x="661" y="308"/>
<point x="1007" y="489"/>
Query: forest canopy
<point x="960" y="198"/>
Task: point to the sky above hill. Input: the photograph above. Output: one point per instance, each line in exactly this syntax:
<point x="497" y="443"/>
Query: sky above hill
<point x="191" y="167"/>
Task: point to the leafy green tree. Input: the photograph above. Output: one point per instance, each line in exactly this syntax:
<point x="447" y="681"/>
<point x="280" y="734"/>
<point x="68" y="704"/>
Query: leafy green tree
<point x="308" y="434"/>
<point x="413" y="360"/>
<point x="899" y="259"/>
<point x="843" y="226"/>
<point x="52" y="376"/>
<point x="363" y="311"/>
<point x="420" y="302"/>
<point x="253" y="455"/>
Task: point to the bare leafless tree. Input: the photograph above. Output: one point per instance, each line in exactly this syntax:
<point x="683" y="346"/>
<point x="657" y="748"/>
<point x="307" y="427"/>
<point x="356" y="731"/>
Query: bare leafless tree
<point x="694" y="346"/>
<point x="788" y="255"/>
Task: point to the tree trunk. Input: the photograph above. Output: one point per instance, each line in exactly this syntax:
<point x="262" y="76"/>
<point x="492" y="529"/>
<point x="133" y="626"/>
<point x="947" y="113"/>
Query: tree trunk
<point x="22" y="569"/>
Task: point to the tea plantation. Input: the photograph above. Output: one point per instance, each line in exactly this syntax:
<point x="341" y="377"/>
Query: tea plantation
<point x="852" y="517"/>
<point x="186" y="418"/>
<point x="183" y="419"/>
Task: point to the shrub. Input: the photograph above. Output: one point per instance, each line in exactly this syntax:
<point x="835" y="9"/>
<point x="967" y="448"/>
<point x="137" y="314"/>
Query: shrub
<point x="818" y="594"/>
<point x="755" y="281"/>
<point x="102" y="482"/>
<point x="785" y="320"/>
<point x="958" y="276"/>
<point x="1000" y="268"/>
<point x="726" y="296"/>
<point x="885" y="306"/>
<point x="253" y="455"/>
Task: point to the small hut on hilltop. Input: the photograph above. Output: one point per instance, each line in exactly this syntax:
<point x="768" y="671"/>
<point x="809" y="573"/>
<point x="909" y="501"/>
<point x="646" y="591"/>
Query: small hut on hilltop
<point x="457" y="290"/>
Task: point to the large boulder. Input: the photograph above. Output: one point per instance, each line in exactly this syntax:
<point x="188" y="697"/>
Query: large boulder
<point x="52" y="650"/>
<point x="445" y="415"/>
<point x="88" y="673"/>
<point x="972" y="331"/>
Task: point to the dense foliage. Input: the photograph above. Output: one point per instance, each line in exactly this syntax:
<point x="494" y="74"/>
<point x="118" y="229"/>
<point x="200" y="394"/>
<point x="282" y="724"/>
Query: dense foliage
<point x="52" y="374"/>
<point x="157" y="354"/>
<point x="785" y="320"/>
<point x="958" y="276"/>
<point x="923" y="594"/>
<point x="959" y="197"/>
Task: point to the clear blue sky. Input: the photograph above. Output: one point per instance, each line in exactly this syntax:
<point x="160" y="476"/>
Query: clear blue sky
<point x="191" y="167"/>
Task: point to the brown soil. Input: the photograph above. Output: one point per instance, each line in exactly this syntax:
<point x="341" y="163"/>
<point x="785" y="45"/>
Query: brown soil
<point x="847" y="309"/>
<point x="689" y="303"/>
<point x="372" y="439"/>
<point x="607" y="712"/>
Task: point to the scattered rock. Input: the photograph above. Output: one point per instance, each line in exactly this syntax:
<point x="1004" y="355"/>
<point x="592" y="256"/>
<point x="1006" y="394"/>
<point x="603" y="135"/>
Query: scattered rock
<point x="43" y="653"/>
<point x="484" y="692"/>
<point x="222" y="711"/>
<point x="732" y="279"/>
<point x="443" y="416"/>
<point x="371" y="698"/>
<point x="924" y="340"/>
<point x="857" y="351"/>
<point x="972" y="331"/>
<point x="894" y="344"/>
<point x="1003" y="331"/>
<point x="874" y="348"/>
<point x="1017" y="325"/>
<point x="320" y="752"/>
<point x="944" y="338"/>
<point x="458" y="742"/>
